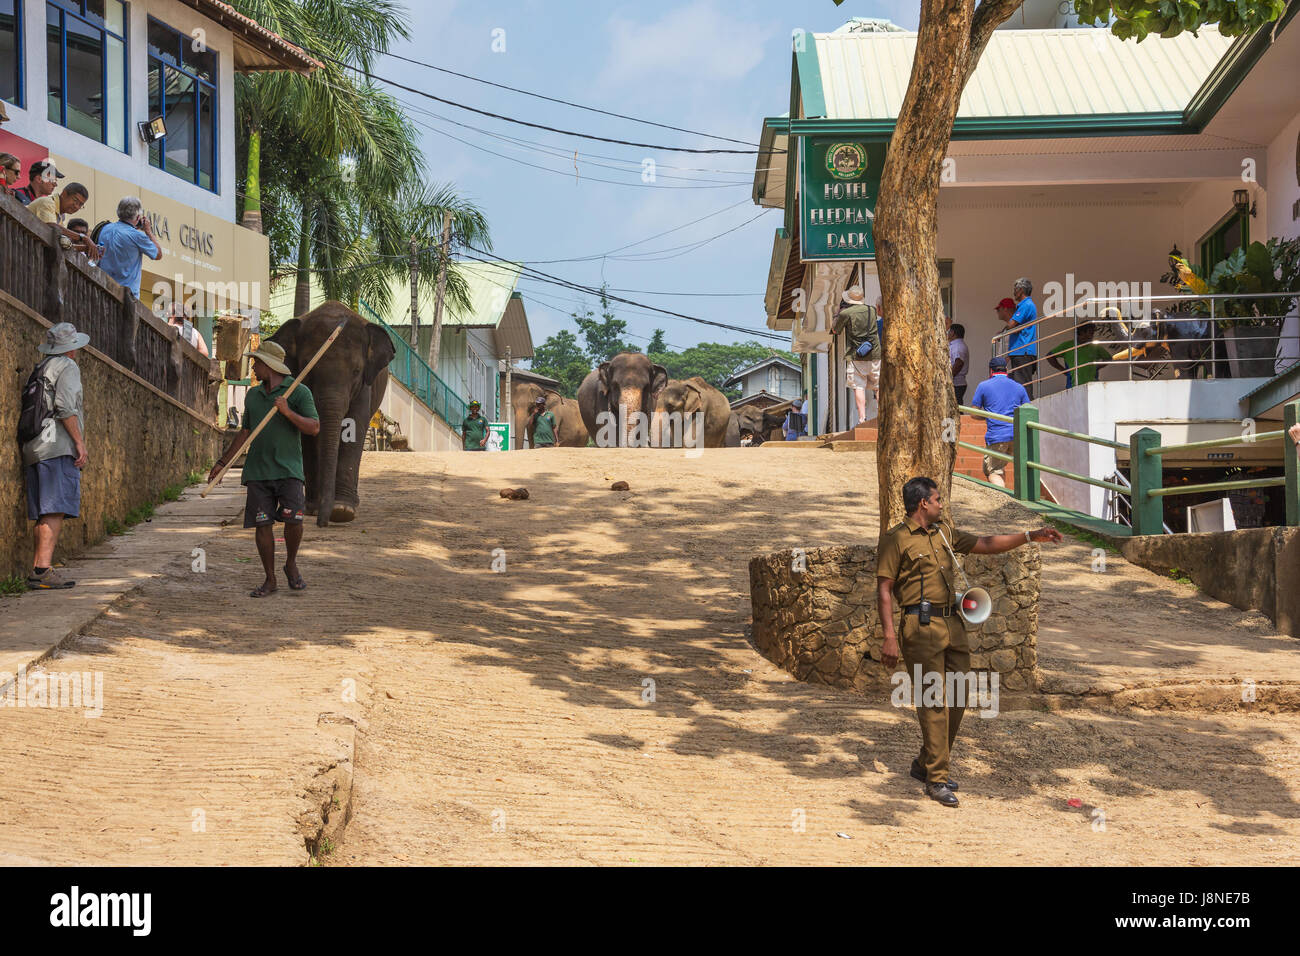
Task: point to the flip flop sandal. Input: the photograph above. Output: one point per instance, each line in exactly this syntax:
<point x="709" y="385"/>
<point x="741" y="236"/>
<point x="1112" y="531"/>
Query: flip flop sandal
<point x="261" y="591"/>
<point x="295" y="583"/>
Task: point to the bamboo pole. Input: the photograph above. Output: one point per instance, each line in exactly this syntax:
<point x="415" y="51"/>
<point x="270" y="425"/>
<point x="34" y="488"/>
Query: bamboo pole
<point x="269" y="415"/>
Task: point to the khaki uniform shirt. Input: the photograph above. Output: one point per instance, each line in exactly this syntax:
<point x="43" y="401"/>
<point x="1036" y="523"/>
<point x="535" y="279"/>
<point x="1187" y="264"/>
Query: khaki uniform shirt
<point x="913" y="558"/>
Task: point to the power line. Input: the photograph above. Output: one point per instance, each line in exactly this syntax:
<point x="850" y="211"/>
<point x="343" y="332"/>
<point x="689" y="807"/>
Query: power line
<point x="552" y="99"/>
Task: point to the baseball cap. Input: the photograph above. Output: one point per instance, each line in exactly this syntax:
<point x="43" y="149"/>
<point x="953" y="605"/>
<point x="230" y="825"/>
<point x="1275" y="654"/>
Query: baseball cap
<point x="998" y="362"/>
<point x="1006" y="304"/>
<point x="38" y="169"/>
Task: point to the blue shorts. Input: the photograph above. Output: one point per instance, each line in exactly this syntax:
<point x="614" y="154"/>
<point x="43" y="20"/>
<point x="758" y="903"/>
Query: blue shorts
<point x="53" y="488"/>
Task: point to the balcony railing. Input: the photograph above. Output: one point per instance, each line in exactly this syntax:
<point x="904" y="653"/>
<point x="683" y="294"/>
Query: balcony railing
<point x="63" y="287"/>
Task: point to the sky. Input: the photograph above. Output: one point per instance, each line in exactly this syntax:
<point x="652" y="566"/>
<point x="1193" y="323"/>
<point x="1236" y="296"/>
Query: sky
<point x="710" y="66"/>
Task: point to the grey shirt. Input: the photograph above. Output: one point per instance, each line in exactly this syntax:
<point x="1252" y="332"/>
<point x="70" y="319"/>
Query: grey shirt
<point x="63" y="378"/>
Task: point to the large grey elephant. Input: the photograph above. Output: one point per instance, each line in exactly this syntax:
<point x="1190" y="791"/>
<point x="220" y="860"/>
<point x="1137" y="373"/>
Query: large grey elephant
<point x="761" y="421"/>
<point x="630" y="380"/>
<point x="691" y="397"/>
<point x="347" y="383"/>
<point x="570" y="432"/>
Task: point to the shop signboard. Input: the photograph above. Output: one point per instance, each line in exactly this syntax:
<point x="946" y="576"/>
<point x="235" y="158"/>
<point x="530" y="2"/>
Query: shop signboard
<point x="839" y="185"/>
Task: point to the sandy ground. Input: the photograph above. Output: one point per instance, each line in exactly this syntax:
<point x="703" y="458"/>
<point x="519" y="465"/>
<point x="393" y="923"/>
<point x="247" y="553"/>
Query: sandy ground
<point x="598" y="702"/>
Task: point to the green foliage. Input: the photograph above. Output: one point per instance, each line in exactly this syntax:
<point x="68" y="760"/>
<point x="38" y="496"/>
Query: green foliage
<point x="657" y="343"/>
<point x="1181" y="576"/>
<point x="561" y="358"/>
<point x="604" y="338"/>
<point x="14" y="584"/>
<point x="1261" y="267"/>
<point x="1138" y="19"/>
<point x="715" y="362"/>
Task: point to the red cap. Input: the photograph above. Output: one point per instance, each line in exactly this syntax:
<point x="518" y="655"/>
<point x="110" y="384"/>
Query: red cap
<point x="1006" y="304"/>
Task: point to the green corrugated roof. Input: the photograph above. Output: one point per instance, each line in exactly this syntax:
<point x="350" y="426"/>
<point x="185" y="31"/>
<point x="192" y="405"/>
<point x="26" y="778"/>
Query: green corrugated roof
<point x="490" y="285"/>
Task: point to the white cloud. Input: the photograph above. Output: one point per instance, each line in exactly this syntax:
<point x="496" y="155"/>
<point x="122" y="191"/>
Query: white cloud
<point x="697" y="42"/>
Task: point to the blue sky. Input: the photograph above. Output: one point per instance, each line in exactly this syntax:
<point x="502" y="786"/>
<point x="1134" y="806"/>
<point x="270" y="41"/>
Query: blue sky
<point x="711" y="66"/>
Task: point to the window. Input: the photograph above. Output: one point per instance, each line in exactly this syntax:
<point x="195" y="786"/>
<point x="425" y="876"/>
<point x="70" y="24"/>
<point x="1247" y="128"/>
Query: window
<point x="86" y="68"/>
<point x="11" y="51"/>
<point x="1231" y="234"/>
<point x="183" y="90"/>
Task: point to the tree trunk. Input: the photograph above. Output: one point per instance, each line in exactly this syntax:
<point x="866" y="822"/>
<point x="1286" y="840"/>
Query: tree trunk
<point x="252" y="218"/>
<point x="918" y="420"/>
<point x="302" y="291"/>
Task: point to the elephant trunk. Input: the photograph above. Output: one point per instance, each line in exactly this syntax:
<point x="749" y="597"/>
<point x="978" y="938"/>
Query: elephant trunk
<point x="331" y="412"/>
<point x="630" y="400"/>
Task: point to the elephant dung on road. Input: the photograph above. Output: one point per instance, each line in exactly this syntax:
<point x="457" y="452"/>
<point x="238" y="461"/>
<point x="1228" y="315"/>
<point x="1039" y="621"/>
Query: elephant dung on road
<point x="570" y="432"/>
<point x="689" y="398"/>
<point x="348" y="383"/>
<point x="629" y="379"/>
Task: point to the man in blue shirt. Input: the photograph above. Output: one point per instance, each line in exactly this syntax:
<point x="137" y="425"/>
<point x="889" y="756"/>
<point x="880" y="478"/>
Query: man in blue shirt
<point x="1023" y="351"/>
<point x="1001" y="395"/>
<point x="124" y="242"/>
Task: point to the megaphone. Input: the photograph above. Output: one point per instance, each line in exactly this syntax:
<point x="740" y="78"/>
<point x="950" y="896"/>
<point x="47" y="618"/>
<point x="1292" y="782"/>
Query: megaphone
<point x="974" y="605"/>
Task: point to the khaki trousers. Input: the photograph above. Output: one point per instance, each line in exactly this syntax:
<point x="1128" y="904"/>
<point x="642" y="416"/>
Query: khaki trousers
<point x="940" y="647"/>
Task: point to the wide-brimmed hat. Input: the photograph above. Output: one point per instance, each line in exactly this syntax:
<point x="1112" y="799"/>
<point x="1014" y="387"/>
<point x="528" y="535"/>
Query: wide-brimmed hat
<point x="61" y="338"/>
<point x="272" y="355"/>
<point x="853" y="296"/>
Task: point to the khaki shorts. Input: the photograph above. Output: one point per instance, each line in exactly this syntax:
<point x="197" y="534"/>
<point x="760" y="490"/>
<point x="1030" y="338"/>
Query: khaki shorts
<point x="997" y="464"/>
<point x="863" y="373"/>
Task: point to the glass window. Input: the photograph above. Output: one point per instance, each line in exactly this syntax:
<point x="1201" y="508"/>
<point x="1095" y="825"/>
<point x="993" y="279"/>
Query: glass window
<point x="182" y="90"/>
<point x="1224" y="239"/>
<point x="11" y="51"/>
<point x="86" y="68"/>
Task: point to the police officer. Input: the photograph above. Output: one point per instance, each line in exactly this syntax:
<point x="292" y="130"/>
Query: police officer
<point x="914" y="568"/>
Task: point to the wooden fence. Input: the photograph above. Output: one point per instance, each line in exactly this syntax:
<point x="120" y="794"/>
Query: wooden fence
<point x="63" y="287"/>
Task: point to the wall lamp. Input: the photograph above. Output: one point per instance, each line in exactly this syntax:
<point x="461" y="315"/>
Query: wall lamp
<point x="1242" y="202"/>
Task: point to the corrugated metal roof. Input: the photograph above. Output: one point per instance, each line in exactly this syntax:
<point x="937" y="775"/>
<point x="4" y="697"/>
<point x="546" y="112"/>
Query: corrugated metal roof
<point x="513" y="331"/>
<point x="1024" y="73"/>
<point x="490" y="287"/>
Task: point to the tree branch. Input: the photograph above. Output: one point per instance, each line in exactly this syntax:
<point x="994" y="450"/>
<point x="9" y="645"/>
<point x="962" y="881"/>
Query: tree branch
<point x="989" y="15"/>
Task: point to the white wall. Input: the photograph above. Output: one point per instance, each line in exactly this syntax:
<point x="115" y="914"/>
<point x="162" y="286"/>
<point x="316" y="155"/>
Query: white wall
<point x="424" y="430"/>
<point x="1283" y="183"/>
<point x="31" y="123"/>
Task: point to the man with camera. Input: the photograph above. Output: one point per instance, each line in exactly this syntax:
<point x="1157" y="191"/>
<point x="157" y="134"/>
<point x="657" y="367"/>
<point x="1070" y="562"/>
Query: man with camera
<point x="862" y="368"/>
<point x="914" y="564"/>
<point x="125" y="241"/>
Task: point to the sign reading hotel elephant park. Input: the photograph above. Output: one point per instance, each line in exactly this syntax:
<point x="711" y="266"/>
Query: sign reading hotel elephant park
<point x="839" y="183"/>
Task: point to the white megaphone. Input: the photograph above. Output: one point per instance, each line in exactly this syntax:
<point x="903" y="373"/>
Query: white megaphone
<point x="974" y="605"/>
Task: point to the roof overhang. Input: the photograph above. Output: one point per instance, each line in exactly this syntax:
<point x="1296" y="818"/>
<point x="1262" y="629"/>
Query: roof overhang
<point x="257" y="49"/>
<point x="513" y="332"/>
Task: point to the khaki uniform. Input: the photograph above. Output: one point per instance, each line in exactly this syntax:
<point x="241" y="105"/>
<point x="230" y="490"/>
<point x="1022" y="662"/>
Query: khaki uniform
<point x="913" y="557"/>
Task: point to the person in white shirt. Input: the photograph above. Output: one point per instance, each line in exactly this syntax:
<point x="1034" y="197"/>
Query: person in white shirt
<point x="187" y="331"/>
<point x="959" y="356"/>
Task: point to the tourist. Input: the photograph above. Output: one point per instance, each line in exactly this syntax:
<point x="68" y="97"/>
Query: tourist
<point x="1022" y="354"/>
<point x="1080" y="361"/>
<point x="959" y="358"/>
<point x="862" y="365"/>
<point x="87" y="245"/>
<point x="1002" y="395"/>
<point x="42" y="179"/>
<point x="55" y="207"/>
<point x="177" y="319"/>
<point x="124" y="242"/>
<point x="796" y="421"/>
<point x="913" y="567"/>
<point x="273" y="471"/>
<point x="10" y="170"/>
<point x="541" y="425"/>
<point x="474" y="429"/>
<point x="54" y="451"/>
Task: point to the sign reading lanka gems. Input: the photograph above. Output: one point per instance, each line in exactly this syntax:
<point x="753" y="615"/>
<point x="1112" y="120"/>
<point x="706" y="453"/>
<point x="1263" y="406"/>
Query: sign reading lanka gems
<point x="840" y="180"/>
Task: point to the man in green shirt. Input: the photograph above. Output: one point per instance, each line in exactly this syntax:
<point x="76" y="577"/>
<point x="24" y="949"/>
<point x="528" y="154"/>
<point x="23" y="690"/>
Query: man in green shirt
<point x="474" y="429"/>
<point x="541" y="425"/>
<point x="1081" y="361"/>
<point x="273" y="471"/>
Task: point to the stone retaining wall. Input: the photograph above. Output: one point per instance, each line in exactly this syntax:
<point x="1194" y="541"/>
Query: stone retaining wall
<point x="820" y="624"/>
<point x="137" y="440"/>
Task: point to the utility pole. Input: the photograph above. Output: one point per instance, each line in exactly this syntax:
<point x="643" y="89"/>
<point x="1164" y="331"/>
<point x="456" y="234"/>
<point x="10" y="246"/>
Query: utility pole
<point x="442" y="286"/>
<point x="509" y="410"/>
<point x="415" y="295"/>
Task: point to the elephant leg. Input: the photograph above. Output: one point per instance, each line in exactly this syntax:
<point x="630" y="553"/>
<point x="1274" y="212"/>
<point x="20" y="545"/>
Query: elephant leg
<point x="312" y="484"/>
<point x="346" y="498"/>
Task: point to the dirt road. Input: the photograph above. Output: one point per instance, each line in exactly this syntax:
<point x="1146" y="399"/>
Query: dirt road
<point x="597" y="701"/>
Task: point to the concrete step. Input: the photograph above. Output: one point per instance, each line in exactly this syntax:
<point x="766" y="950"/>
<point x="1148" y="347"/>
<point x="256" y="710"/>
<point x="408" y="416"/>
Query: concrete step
<point x="853" y="446"/>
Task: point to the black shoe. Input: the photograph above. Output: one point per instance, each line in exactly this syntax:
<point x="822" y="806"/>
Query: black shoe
<point x="919" y="774"/>
<point x="940" y="792"/>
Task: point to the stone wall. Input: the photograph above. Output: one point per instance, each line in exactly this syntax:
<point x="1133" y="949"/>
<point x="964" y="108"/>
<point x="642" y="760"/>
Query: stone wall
<point x="137" y="439"/>
<point x="821" y="624"/>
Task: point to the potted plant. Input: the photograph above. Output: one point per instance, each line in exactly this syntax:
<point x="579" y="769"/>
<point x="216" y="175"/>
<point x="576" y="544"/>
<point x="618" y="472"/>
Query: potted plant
<point x="1250" y="326"/>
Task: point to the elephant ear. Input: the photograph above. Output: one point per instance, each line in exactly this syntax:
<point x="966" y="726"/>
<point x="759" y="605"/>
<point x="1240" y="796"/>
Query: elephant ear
<point x="379" y="352"/>
<point x="658" y="379"/>
<point x="286" y="336"/>
<point x="604" y="372"/>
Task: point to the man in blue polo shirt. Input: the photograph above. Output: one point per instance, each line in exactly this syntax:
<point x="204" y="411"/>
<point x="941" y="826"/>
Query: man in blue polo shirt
<point x="1001" y="395"/>
<point x="1022" y="354"/>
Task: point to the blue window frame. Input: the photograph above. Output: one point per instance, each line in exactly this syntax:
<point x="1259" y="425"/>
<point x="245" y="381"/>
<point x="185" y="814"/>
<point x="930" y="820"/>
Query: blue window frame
<point x="86" y="68"/>
<point x="11" y="51"/>
<point x="183" y="91"/>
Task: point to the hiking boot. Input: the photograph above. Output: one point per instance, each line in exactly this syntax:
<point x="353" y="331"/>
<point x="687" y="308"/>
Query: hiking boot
<point x="51" y="580"/>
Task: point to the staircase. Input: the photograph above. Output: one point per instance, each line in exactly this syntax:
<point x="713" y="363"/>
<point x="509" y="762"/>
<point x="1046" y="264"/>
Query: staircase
<point x="968" y="462"/>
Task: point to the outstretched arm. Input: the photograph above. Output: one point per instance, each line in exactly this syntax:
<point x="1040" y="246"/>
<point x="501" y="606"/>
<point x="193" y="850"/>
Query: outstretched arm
<point x="998" y="543"/>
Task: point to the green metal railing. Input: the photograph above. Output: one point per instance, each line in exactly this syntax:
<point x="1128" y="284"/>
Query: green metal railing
<point x="1145" y="462"/>
<point x="413" y="372"/>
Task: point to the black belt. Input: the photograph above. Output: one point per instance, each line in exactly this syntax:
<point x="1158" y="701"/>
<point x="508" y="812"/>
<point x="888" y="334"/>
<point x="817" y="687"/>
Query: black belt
<point x="935" y="610"/>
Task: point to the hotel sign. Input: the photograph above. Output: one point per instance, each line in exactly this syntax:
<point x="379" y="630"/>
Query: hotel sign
<point x="839" y="184"/>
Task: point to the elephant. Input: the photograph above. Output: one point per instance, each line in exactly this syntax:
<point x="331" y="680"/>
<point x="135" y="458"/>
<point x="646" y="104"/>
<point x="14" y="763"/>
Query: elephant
<point x="570" y="432"/>
<point x="687" y="398"/>
<point x="629" y="379"/>
<point x="348" y="382"/>
<point x="764" y="423"/>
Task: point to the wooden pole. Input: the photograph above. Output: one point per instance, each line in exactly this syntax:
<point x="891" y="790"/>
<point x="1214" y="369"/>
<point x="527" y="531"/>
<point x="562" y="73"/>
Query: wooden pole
<point x="262" y="424"/>
<point x="508" y="413"/>
<point x="434" y="345"/>
<point x="415" y="295"/>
